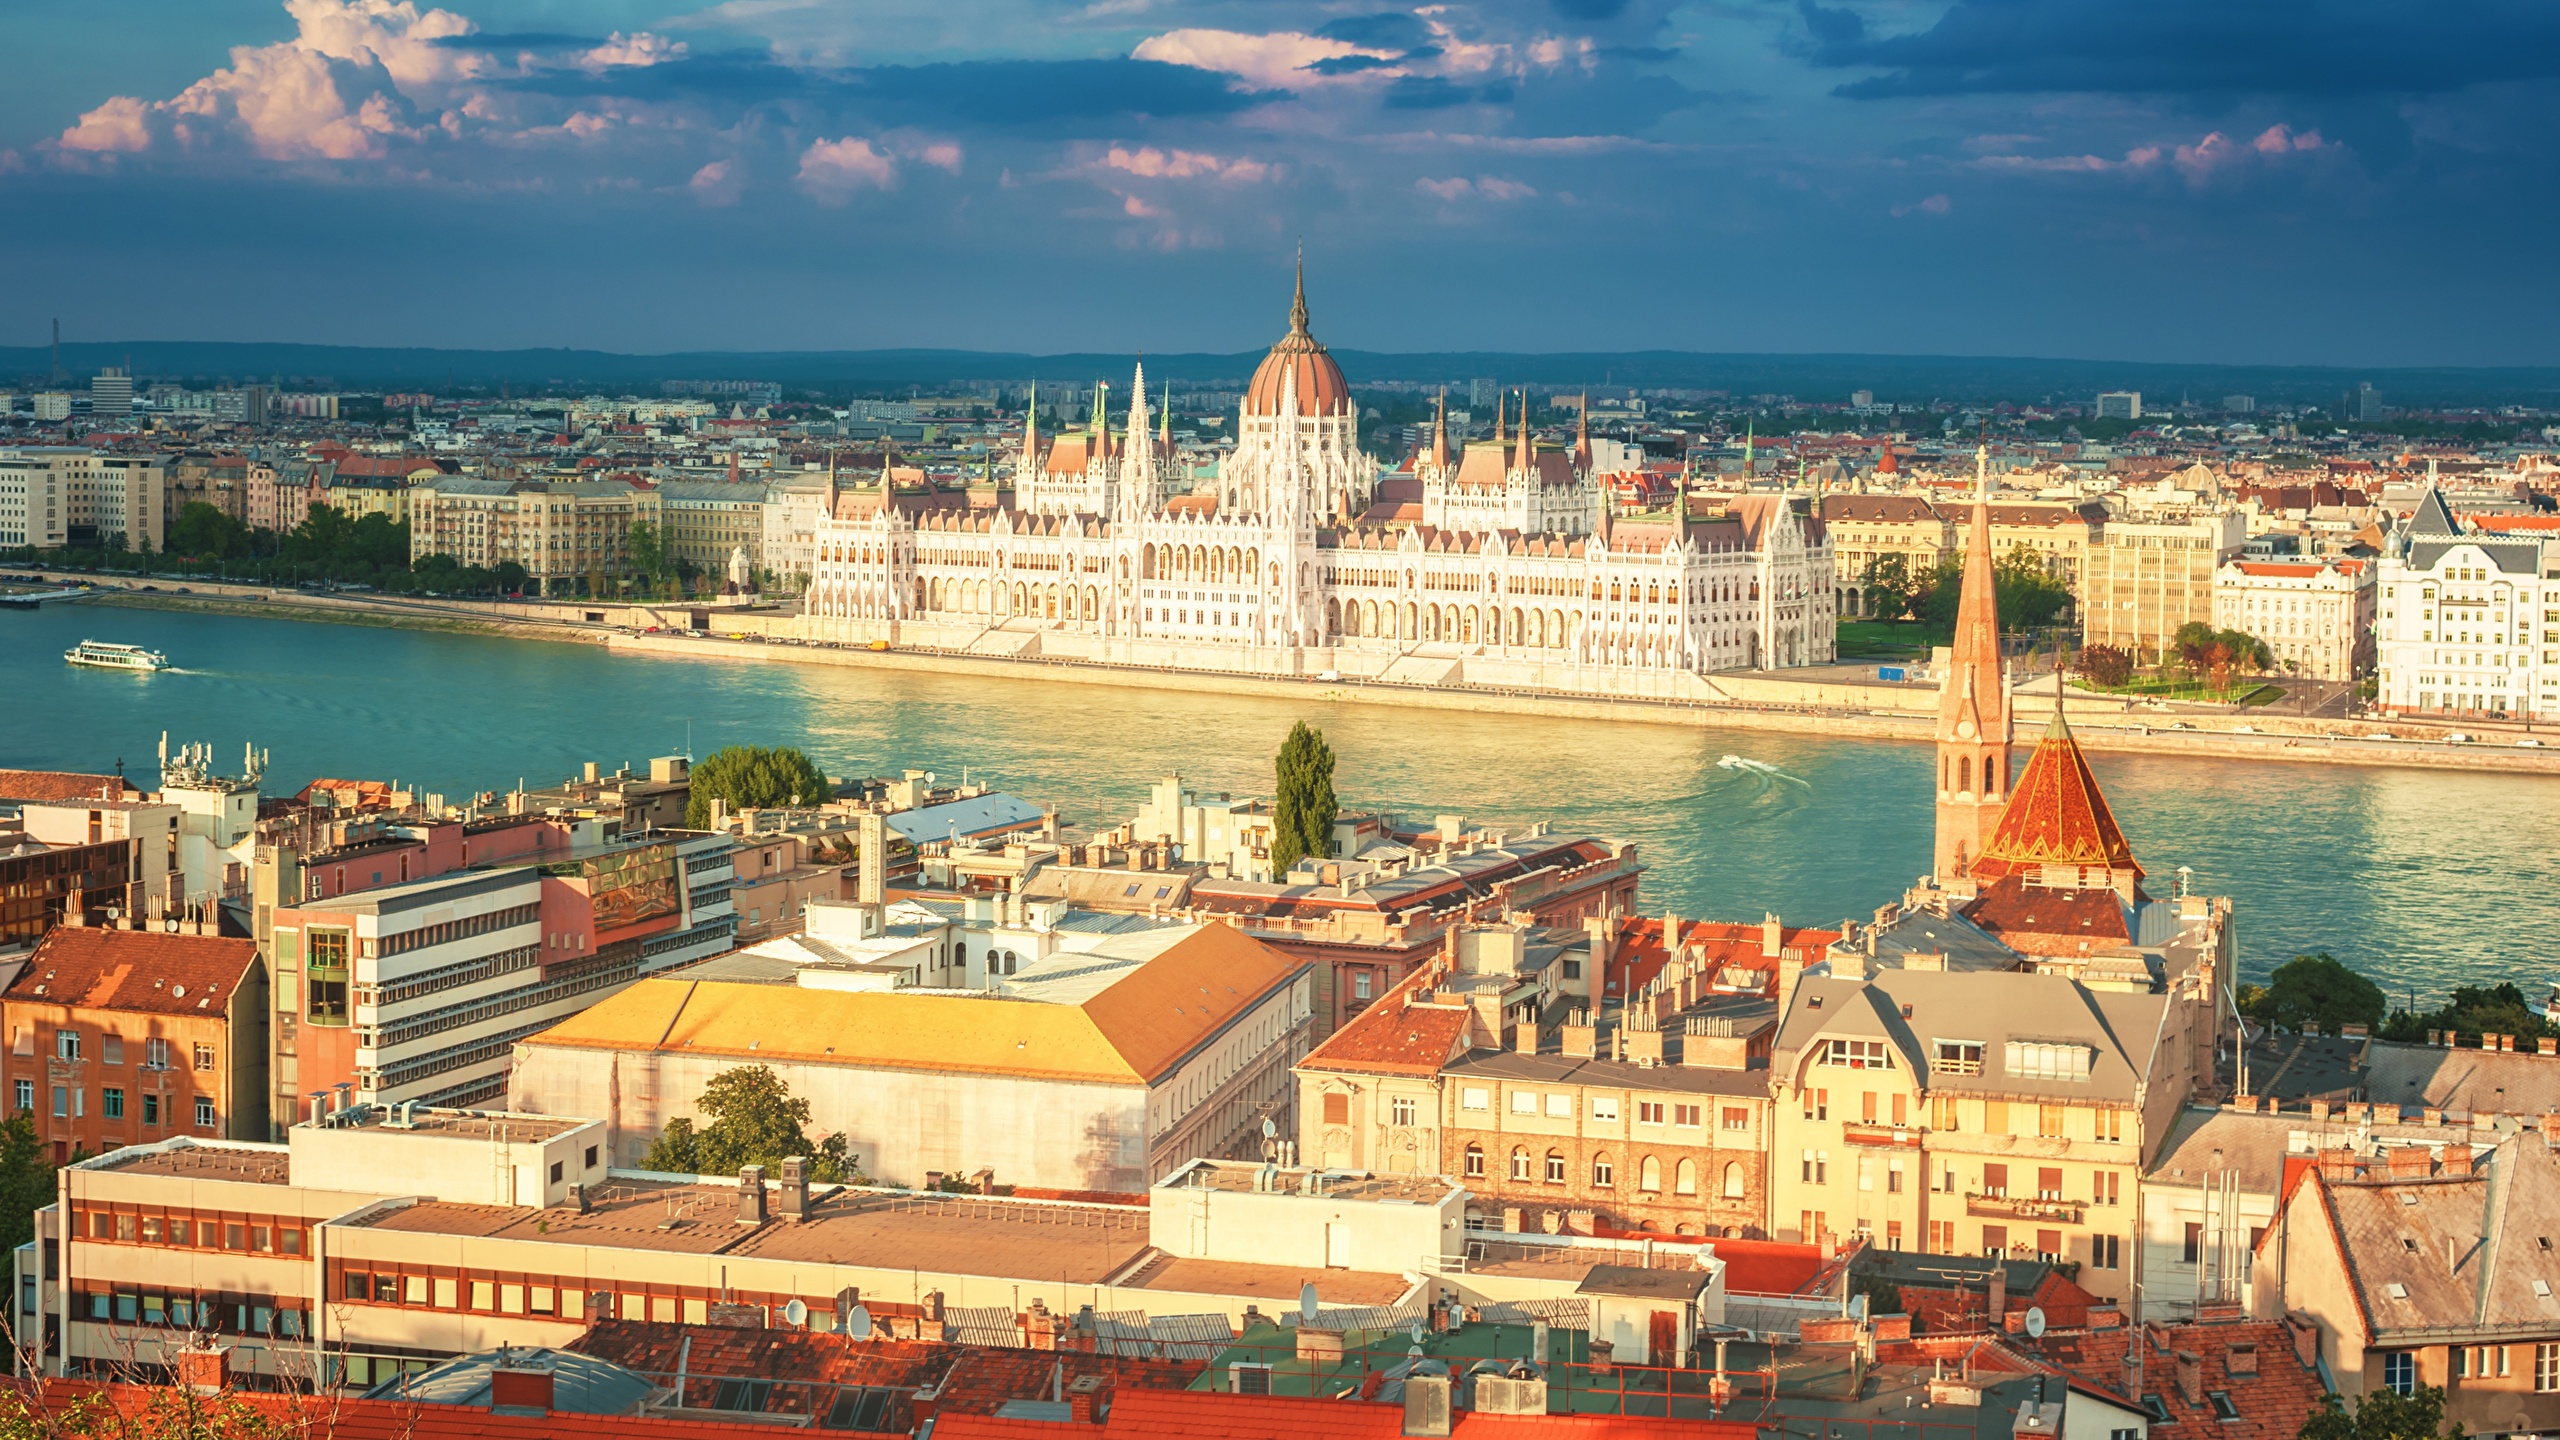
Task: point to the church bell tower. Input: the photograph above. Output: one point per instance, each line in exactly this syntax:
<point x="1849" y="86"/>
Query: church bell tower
<point x="1974" y="722"/>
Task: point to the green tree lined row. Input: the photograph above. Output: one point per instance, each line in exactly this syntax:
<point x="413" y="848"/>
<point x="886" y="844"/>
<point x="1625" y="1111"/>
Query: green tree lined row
<point x="2320" y="993"/>
<point x="2031" y="596"/>
<point x="754" y="776"/>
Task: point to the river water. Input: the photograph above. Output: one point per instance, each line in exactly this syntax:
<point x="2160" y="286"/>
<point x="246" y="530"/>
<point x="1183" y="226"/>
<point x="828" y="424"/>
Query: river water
<point x="2424" y="880"/>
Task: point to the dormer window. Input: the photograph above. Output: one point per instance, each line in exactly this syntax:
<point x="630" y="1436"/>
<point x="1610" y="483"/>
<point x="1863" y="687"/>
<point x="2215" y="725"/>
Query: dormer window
<point x="1857" y="1054"/>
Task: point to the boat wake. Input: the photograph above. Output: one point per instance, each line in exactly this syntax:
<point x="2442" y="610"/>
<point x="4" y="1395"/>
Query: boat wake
<point x="1761" y="767"/>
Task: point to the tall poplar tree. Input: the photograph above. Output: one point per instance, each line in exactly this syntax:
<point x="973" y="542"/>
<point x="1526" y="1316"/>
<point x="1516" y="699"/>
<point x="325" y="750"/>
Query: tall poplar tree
<point x="1302" y="803"/>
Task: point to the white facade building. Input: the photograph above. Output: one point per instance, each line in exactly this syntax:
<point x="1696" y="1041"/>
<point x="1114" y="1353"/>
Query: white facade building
<point x="2468" y="621"/>
<point x="2315" y="615"/>
<point x="1515" y="575"/>
<point x="795" y="504"/>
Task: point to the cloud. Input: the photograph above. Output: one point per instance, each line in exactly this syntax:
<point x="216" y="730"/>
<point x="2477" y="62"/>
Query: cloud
<point x="1490" y="187"/>
<point x="832" y="170"/>
<point x="121" y="124"/>
<point x="1276" y="61"/>
<point x="2190" y="47"/>
<point x="1157" y="164"/>
<point x="642" y="50"/>
<point x="1934" y="205"/>
<point x="719" y="183"/>
<point x="2214" y="156"/>
<point x="940" y="154"/>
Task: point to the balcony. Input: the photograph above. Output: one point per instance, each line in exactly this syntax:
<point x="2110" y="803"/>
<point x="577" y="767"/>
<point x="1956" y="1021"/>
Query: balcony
<point x="2005" y="1207"/>
<point x="1884" y="1137"/>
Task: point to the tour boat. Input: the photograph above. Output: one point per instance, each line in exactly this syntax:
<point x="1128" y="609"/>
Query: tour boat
<point x="107" y="655"/>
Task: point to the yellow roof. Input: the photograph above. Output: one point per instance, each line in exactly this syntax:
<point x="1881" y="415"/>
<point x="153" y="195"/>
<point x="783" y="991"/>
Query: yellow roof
<point x="1134" y="1031"/>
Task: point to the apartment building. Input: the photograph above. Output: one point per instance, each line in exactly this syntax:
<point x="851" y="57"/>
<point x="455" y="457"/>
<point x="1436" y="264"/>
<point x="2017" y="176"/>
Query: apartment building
<point x="1974" y="1113"/>
<point x="2467" y="619"/>
<point x="710" y="522"/>
<point x="279" y="497"/>
<point x="123" y="1036"/>
<point x="71" y="495"/>
<point x="411" y="956"/>
<point x="2316" y="616"/>
<point x="221" y="481"/>
<point x="565" y="533"/>
<point x="2145" y="578"/>
<point x="1868" y="528"/>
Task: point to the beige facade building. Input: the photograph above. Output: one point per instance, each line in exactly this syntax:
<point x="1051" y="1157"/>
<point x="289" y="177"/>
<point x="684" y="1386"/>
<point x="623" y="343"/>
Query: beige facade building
<point x="72" y="495"/>
<point x="569" y="535"/>
<point x="1867" y="528"/>
<point x="708" y="523"/>
<point x="1984" y="1113"/>
<point x="2145" y="578"/>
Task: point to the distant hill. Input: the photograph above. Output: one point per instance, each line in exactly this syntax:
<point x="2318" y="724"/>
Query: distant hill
<point x="1909" y="378"/>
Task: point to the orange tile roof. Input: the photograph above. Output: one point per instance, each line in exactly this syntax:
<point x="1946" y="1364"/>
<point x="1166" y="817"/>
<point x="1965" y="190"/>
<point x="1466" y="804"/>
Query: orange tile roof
<point x="342" y="1417"/>
<point x="1189" y="1414"/>
<point x="1395" y="1037"/>
<point x="1132" y="1032"/>
<point x="135" y="970"/>
<point x="2055" y="815"/>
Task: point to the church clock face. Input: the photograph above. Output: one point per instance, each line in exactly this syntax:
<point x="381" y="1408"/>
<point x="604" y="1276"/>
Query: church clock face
<point x="1964" y="729"/>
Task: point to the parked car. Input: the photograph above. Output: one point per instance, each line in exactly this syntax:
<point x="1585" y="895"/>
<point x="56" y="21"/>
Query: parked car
<point x="2456" y="737"/>
<point x="2528" y="743"/>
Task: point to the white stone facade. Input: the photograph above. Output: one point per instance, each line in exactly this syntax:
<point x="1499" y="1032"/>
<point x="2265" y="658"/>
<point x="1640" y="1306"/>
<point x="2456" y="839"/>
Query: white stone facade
<point x="2468" y="621"/>
<point x="1282" y="566"/>
<point x="2316" y="616"/>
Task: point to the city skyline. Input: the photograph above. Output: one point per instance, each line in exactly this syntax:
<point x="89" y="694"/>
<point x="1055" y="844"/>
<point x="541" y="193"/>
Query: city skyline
<point x="1983" y="178"/>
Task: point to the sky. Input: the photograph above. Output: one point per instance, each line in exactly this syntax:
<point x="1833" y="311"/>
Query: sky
<point x="2274" y="181"/>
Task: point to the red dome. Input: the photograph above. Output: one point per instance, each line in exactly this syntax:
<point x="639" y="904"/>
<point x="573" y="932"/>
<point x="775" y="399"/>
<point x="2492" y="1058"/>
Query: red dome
<point x="1321" y="388"/>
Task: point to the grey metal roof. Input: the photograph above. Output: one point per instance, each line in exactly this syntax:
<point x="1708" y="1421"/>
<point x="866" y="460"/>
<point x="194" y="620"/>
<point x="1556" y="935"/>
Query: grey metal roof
<point x="2433" y="515"/>
<point x="1914" y="1009"/>
<point x="2512" y="556"/>
<point x="989" y="814"/>
<point x="2487" y="1082"/>
<point x="580" y="1384"/>
<point x="1616" y="1074"/>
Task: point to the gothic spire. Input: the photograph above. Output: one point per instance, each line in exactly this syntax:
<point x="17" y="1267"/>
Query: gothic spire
<point x="1528" y="457"/>
<point x="1499" y="397"/>
<point x="1298" y="303"/>
<point x="1440" y="431"/>
<point x="1582" y="435"/>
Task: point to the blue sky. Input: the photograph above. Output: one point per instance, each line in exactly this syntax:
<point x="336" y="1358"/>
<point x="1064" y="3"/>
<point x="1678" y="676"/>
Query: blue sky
<point x="2285" y="181"/>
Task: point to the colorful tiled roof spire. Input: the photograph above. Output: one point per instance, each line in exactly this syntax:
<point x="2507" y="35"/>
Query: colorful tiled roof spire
<point x="2056" y="813"/>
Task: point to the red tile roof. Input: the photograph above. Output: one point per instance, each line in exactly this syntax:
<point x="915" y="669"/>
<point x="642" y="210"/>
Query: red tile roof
<point x="1640" y="955"/>
<point x="1395" y="1036"/>
<point x="2254" y="1364"/>
<point x="301" y="1417"/>
<point x="55" y="787"/>
<point x="136" y="970"/>
<point x="2047" y="920"/>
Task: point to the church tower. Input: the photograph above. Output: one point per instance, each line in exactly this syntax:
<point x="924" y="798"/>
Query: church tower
<point x="1973" y="705"/>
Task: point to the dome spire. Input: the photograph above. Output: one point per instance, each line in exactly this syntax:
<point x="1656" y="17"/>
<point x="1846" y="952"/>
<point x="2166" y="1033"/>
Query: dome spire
<point x="1298" y="302"/>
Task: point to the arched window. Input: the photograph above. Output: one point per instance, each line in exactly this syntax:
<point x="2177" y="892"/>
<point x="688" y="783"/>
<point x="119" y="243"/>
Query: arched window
<point x="1964" y="773"/>
<point x="1555" y="1167"/>
<point x="1520" y="1164"/>
<point x="1475" y="1162"/>
<point x="1603" y="1174"/>
<point x="1733" y="1180"/>
<point x="1649" y="1176"/>
<point x="1684" y="1180"/>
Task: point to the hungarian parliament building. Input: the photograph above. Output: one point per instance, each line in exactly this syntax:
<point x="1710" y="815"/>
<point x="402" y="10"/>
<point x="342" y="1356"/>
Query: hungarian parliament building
<point x="1493" y="563"/>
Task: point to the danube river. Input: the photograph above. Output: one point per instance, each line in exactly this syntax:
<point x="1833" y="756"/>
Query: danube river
<point x="2424" y="879"/>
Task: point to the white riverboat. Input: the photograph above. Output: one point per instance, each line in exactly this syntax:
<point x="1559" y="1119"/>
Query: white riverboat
<point x="107" y="655"/>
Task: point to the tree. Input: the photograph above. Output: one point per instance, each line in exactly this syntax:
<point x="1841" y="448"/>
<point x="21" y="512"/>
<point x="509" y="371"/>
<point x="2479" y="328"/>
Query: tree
<point x="159" y="1412"/>
<point x="2030" y="594"/>
<point x="1302" y="803"/>
<point x="2313" y="990"/>
<point x="2474" y="1010"/>
<point x="648" y="550"/>
<point x="754" y="1120"/>
<point x="2105" y="666"/>
<point x="202" y="532"/>
<point x="1890" y="590"/>
<point x="754" y="776"/>
<point x="2382" y="1415"/>
<point x="26" y="1178"/>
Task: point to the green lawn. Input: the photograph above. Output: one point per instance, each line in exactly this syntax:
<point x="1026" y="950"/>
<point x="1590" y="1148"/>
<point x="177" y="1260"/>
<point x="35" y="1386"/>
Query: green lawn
<point x="2159" y="687"/>
<point x="1875" y="639"/>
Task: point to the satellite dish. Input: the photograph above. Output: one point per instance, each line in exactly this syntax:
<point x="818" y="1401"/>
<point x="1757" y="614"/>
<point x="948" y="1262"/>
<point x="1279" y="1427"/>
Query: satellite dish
<point x="2035" y="1322"/>
<point x="1307" y="1303"/>
<point x="797" y="1312"/>
<point x="857" y="1323"/>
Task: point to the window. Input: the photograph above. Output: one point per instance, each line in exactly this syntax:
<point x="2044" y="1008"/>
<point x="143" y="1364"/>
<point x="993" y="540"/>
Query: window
<point x="1475" y="1162"/>
<point x="155" y="1053"/>
<point x="1524" y="1102"/>
<point x="1603" y="1174"/>
<point x="2546" y="1367"/>
<point x="1893" y="1176"/>
<point x="1559" y="1107"/>
<point x="1858" y="1054"/>
<point x="2052" y="1122"/>
<point x="591" y="1157"/>
<point x="1817" y="1104"/>
<point x="1995" y="1240"/>
<point x="1942" y="1113"/>
<point x="2110" y="1125"/>
<point x="61" y="1101"/>
<point x="2037" y="1060"/>
<point x="1360" y="985"/>
<point x="2195" y="1243"/>
<point x="1817" y="1167"/>
<point x="111" y="1102"/>
<point x="1684" y="1178"/>
<point x="2106" y="1252"/>
<point x="2049" y="1183"/>
<point x="1733" y="1180"/>
<point x="66" y="1044"/>
<point x="2049" y="1246"/>
<point x="1337" y="1109"/>
<point x="2105" y="1187"/>
<point x="1649" y="1112"/>
<point x="1942" y="1237"/>
<point x="557" y="1166"/>
<point x="1737" y="1118"/>
<point x="204" y="1056"/>
<point x="1995" y="1181"/>
<point x="1555" y="1167"/>
<point x="111" y="1049"/>
<point x="2223" y="1409"/>
<point x="1957" y="1057"/>
<point x="150" y="1109"/>
<point x="1475" y="1097"/>
<point x="26" y="1095"/>
<point x="2400" y="1372"/>
<point x="204" y="1112"/>
<point x="1685" y="1115"/>
<point x="1400" y="1111"/>
<point x="1649" y="1176"/>
<point x="1604" y="1108"/>
<point x="1520" y="1164"/>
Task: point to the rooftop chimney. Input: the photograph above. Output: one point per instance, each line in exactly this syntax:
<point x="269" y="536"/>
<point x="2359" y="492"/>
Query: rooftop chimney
<point x="1580" y="1036"/>
<point x="872" y="888"/>
<point x="1426" y="1407"/>
<point x="1999" y="1297"/>
<point x="1772" y="936"/>
<point x="2191" y="1377"/>
<point x="205" y="1368"/>
<point x="519" y="1386"/>
<point x="795" y="1188"/>
<point x="751" y="1195"/>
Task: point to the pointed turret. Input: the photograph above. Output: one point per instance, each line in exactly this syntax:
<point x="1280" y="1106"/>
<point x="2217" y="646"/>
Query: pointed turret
<point x="1498" y="399"/>
<point x="1527" y="460"/>
<point x="1031" y="430"/>
<point x="1298" y="301"/>
<point x="2057" y="815"/>
<point x="1440" y="431"/>
<point x="1974" y="722"/>
<point x="1582" y="435"/>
